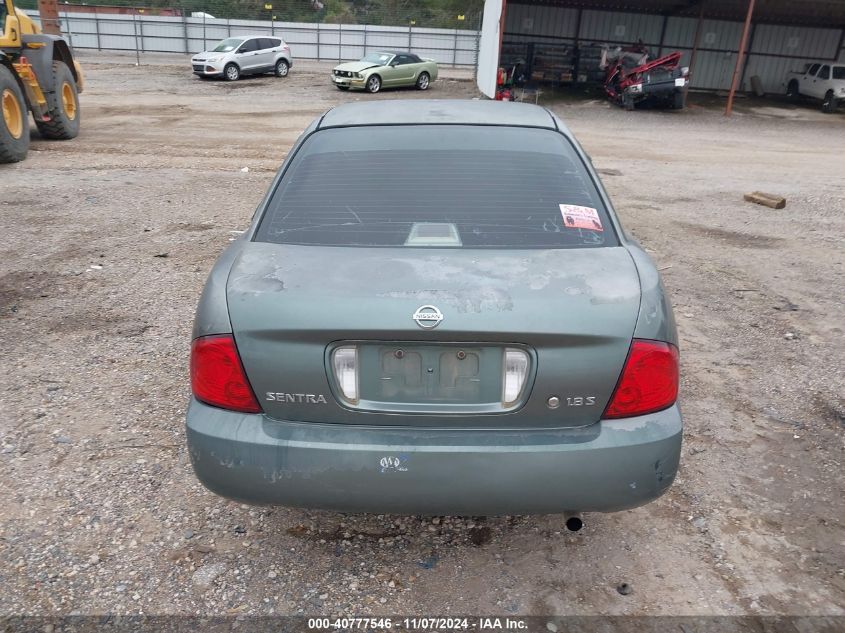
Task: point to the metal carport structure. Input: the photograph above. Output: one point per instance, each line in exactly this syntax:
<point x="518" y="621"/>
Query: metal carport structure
<point x="724" y="42"/>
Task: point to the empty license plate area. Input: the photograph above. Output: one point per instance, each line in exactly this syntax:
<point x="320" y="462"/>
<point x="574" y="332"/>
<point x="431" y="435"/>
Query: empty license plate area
<point x="440" y="378"/>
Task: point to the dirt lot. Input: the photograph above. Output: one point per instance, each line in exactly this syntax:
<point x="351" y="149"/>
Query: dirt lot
<point x="107" y="241"/>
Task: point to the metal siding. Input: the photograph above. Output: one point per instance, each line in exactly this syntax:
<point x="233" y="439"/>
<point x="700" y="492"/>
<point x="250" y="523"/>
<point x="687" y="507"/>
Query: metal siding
<point x="794" y="40"/>
<point x="715" y="34"/>
<point x="513" y="17"/>
<point x="713" y="70"/>
<point x="176" y="34"/>
<point x="720" y="35"/>
<point x="523" y="19"/>
<point x="679" y="32"/>
<point x="611" y="26"/>
<point x="718" y="43"/>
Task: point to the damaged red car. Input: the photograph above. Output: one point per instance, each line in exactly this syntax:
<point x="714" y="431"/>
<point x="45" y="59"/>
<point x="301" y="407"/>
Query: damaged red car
<point x="633" y="79"/>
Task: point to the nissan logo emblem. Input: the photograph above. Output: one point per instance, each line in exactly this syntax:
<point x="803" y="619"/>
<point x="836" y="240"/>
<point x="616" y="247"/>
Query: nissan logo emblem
<point x="428" y="317"/>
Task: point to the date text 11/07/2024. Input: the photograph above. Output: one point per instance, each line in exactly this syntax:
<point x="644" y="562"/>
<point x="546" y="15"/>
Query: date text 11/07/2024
<point x="418" y="624"/>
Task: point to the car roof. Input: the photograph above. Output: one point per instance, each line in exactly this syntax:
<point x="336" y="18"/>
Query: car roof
<point x="439" y="111"/>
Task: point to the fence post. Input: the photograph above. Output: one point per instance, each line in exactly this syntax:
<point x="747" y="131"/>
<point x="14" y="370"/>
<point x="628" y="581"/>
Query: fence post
<point x="229" y="27"/>
<point x="365" y="39"/>
<point x="318" y="41"/>
<point x="204" y="47"/>
<point x="69" y="30"/>
<point x="455" y="50"/>
<point x="339" y="39"/>
<point x="141" y="30"/>
<point x="97" y="29"/>
<point x="135" y="31"/>
<point x="409" y="36"/>
<point x="478" y="26"/>
<point x="185" y="31"/>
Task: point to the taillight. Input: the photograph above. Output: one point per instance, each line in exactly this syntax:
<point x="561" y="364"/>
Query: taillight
<point x="217" y="376"/>
<point x="649" y="381"/>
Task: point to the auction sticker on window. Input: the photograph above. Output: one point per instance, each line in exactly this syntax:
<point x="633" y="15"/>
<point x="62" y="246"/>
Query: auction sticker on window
<point x="575" y="217"/>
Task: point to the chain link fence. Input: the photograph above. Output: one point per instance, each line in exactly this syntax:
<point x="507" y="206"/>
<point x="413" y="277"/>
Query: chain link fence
<point x="323" y="30"/>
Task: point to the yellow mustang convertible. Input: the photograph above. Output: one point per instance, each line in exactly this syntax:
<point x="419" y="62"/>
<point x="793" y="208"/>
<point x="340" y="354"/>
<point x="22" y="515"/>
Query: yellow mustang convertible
<point x="385" y="69"/>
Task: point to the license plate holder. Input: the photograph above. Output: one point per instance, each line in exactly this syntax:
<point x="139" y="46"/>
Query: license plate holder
<point x="414" y="376"/>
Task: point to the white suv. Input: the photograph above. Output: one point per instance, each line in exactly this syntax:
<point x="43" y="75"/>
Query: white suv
<point x="244" y="55"/>
<point x="822" y="80"/>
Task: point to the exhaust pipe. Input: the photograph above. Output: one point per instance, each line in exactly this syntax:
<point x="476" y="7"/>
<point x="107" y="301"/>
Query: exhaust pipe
<point x="573" y="521"/>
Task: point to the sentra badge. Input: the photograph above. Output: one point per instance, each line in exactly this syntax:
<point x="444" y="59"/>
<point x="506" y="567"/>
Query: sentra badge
<point x="298" y="398"/>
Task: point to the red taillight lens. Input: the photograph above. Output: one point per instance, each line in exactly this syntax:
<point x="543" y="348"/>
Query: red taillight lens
<point x="217" y="376"/>
<point x="649" y="380"/>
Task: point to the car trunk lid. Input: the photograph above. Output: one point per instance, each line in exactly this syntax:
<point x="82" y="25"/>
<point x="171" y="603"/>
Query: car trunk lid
<point x="572" y="312"/>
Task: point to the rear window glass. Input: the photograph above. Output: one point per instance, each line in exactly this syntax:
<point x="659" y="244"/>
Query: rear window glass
<point x="437" y="186"/>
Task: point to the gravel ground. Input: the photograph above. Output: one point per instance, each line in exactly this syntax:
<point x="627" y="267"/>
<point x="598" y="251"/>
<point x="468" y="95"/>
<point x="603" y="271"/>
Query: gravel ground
<point x="107" y="240"/>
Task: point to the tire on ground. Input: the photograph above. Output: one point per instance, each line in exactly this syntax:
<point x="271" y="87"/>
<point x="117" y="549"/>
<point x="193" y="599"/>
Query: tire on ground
<point x="679" y="99"/>
<point x="373" y="83"/>
<point x="282" y="68"/>
<point x="62" y="106"/>
<point x="14" y="119"/>
<point x="829" y="102"/>
<point x="231" y="72"/>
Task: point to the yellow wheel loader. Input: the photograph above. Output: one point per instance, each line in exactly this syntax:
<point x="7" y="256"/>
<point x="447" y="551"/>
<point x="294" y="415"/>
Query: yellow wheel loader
<point x="38" y="74"/>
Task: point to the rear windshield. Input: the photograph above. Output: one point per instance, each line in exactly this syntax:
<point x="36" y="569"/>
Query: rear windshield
<point x="437" y="186"/>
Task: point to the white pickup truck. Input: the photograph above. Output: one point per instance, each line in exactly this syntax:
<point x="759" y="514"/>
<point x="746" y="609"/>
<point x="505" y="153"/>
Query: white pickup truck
<point x="822" y="80"/>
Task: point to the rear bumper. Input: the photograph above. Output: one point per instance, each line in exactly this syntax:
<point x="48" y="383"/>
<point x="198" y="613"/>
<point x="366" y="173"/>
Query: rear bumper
<point x="609" y="466"/>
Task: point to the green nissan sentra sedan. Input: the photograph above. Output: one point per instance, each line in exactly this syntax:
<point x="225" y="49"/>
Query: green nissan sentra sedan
<point x="385" y="69"/>
<point x="435" y="310"/>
